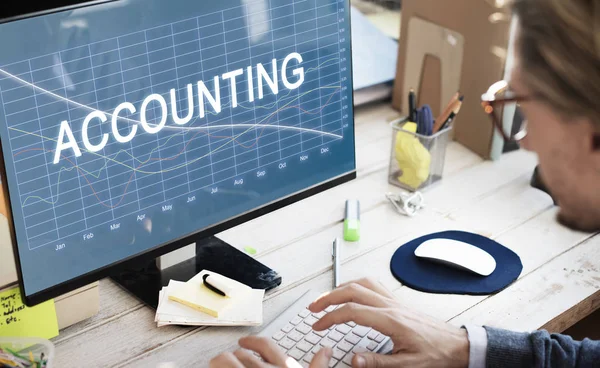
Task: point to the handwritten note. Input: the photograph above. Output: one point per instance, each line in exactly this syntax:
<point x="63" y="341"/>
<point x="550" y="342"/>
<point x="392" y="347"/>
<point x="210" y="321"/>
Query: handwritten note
<point x="16" y="319"/>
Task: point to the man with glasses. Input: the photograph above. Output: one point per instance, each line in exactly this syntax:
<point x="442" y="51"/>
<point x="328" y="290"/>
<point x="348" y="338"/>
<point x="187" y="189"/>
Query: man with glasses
<point x="556" y="83"/>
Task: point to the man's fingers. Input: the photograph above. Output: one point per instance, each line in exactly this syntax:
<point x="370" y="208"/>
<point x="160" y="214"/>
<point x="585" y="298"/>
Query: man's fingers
<point x="322" y="358"/>
<point x="269" y="351"/>
<point x="248" y="359"/>
<point x="371" y="360"/>
<point x="372" y="284"/>
<point x="376" y="318"/>
<point x="225" y="360"/>
<point x="350" y="293"/>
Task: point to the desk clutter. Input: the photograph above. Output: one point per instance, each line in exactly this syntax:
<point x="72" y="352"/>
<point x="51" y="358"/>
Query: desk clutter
<point x="419" y="144"/>
<point x="26" y="352"/>
<point x="209" y="299"/>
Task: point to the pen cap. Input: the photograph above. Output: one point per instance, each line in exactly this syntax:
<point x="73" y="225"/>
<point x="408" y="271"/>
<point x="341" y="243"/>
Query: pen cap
<point x="352" y="209"/>
<point x="220" y="284"/>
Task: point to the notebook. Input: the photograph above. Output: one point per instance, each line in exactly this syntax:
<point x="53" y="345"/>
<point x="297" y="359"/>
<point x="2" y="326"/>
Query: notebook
<point x="191" y="303"/>
<point x="196" y="295"/>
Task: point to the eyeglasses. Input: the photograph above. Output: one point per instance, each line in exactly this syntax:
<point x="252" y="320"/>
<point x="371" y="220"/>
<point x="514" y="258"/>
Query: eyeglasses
<point x="498" y="99"/>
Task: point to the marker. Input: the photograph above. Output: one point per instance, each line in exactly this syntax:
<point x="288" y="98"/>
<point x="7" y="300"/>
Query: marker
<point x="352" y="220"/>
<point x="412" y="106"/>
<point x="216" y="285"/>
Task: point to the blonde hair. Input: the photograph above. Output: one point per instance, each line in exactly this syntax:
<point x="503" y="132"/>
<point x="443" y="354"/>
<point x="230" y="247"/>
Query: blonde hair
<point x="559" y="53"/>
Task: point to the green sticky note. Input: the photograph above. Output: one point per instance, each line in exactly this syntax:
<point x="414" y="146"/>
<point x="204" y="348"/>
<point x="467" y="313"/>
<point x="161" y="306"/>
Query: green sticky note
<point x="250" y="250"/>
<point x="18" y="320"/>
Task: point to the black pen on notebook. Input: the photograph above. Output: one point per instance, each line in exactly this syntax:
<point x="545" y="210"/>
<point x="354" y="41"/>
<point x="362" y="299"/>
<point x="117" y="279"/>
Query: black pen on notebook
<point x="216" y="285"/>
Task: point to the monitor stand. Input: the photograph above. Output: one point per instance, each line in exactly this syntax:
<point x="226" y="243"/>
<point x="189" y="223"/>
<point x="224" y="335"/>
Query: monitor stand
<point x="145" y="279"/>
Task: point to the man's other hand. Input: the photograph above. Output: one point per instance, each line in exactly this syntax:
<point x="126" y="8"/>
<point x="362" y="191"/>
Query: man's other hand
<point x="272" y="356"/>
<point x="419" y="341"/>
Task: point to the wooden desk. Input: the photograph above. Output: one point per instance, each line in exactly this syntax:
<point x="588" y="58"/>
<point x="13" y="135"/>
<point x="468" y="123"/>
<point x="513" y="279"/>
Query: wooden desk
<point x="558" y="286"/>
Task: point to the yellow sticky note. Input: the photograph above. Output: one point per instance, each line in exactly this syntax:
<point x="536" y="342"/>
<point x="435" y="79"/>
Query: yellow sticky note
<point x="16" y="319"/>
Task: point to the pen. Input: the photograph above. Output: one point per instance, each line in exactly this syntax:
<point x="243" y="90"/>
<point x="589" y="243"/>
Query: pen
<point x="444" y="115"/>
<point x="216" y="286"/>
<point x="336" y="263"/>
<point x="412" y="107"/>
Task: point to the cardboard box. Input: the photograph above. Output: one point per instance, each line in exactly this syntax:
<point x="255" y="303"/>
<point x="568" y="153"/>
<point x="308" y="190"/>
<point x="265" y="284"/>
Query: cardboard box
<point x="469" y="51"/>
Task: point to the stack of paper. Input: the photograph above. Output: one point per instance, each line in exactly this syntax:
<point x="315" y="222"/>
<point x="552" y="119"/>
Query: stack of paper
<point x="192" y="303"/>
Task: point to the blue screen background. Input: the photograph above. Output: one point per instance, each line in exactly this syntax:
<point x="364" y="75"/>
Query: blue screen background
<point x="93" y="210"/>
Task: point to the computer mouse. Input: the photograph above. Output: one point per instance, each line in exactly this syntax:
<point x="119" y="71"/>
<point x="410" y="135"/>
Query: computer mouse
<point x="457" y="254"/>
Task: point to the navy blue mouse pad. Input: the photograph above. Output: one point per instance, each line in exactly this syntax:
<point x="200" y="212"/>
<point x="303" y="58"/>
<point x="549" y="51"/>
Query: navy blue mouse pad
<point x="427" y="276"/>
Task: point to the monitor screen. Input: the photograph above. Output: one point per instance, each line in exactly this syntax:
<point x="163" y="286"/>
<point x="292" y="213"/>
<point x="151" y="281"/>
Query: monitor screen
<point x="128" y="125"/>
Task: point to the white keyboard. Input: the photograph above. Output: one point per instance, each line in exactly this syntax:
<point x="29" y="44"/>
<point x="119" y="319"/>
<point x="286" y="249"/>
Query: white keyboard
<point x="293" y="333"/>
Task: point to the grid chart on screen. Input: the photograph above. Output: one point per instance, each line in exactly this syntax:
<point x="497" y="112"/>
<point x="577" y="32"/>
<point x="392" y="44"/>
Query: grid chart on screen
<point x="82" y="192"/>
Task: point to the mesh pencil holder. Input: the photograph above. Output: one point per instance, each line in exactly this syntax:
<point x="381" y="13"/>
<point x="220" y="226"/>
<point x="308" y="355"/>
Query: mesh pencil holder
<point x="416" y="160"/>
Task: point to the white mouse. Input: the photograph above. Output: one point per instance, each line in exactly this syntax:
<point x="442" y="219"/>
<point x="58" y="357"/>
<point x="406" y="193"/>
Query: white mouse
<point x="457" y="254"/>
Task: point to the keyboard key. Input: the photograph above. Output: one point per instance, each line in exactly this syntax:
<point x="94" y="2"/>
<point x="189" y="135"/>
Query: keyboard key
<point x="372" y="334"/>
<point x="351" y="324"/>
<point x="348" y="358"/>
<point x="305" y="313"/>
<point x="296" y="320"/>
<point x="310" y="320"/>
<point x="342" y="365"/>
<point x="332" y="363"/>
<point x="344" y="329"/>
<point x="353" y="339"/>
<point x="380" y="338"/>
<point x="345" y="346"/>
<point x="327" y="342"/>
<point x="319" y="315"/>
<point x="287" y="343"/>
<point x="359" y="349"/>
<point x="338" y="354"/>
<point x="316" y="349"/>
<point x="335" y="336"/>
<point x="360" y="331"/>
<point x="295" y="335"/>
<point x="304" y="364"/>
<point x="287" y="328"/>
<point x="309" y="357"/>
<point x="305" y="346"/>
<point x="332" y="327"/>
<point x="372" y="345"/>
<point x="296" y="353"/>
<point x="322" y="333"/>
<point x="312" y="338"/>
<point x="303" y="328"/>
<point x="331" y="308"/>
<point x="278" y="335"/>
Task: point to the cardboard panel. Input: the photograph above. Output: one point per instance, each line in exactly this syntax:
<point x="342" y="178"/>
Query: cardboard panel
<point x="435" y="63"/>
<point x="482" y="64"/>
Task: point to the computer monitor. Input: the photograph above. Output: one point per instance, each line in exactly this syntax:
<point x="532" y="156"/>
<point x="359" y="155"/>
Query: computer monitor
<point x="131" y="128"/>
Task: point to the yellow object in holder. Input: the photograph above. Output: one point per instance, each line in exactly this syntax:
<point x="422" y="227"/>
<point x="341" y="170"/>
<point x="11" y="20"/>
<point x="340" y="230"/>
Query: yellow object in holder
<point x="412" y="157"/>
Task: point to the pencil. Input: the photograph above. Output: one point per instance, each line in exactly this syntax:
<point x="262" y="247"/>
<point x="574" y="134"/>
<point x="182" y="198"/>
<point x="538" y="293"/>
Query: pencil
<point x="452" y="114"/>
<point x="447" y="111"/>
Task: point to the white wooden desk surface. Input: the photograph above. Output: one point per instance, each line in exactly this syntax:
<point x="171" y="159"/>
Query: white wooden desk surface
<point x="558" y="286"/>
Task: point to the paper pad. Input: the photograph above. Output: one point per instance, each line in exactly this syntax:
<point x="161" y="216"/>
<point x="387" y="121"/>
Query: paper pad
<point x="191" y="303"/>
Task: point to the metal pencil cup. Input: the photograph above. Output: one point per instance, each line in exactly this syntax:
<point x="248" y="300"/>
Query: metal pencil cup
<point x="416" y="161"/>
